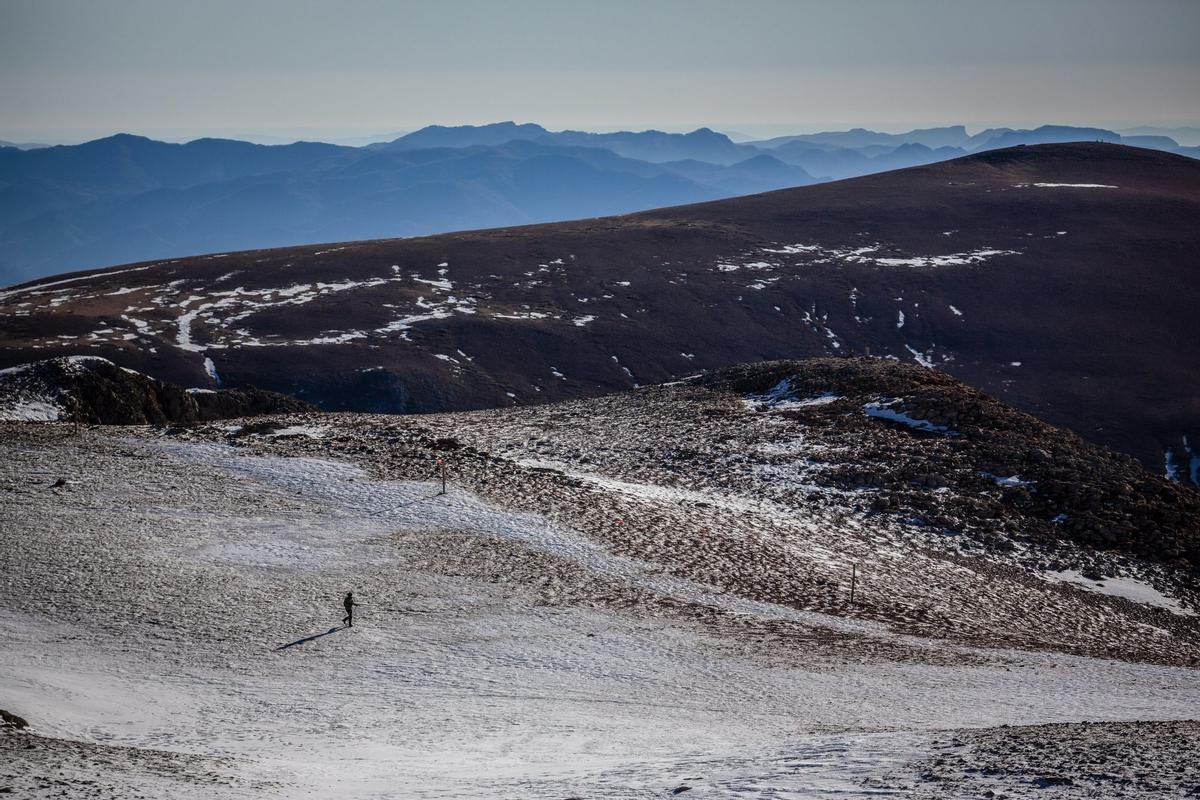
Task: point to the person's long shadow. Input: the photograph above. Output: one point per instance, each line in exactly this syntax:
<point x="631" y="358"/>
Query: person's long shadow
<point x="334" y="629"/>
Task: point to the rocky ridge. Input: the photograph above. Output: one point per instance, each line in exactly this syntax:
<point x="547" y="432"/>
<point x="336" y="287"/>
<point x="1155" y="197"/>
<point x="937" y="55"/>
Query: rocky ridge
<point x="90" y="389"/>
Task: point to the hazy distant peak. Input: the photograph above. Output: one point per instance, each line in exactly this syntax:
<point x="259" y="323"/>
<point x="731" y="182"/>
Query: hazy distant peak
<point x="467" y="135"/>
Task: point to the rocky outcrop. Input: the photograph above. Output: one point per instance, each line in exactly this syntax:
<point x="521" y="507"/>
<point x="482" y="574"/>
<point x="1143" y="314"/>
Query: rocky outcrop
<point x="1008" y="468"/>
<point x="94" y="390"/>
<point x="11" y="722"/>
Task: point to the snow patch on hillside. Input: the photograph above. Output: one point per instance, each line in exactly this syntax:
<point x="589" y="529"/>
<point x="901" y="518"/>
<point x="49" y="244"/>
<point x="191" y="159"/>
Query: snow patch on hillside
<point x="1069" y="185"/>
<point x="30" y="410"/>
<point x="779" y="398"/>
<point x="211" y="369"/>
<point x="1011" y="480"/>
<point x="949" y="260"/>
<point x="1128" y="588"/>
<point x="41" y="288"/>
<point x="921" y="358"/>
<point x="883" y="410"/>
<point x="872" y="254"/>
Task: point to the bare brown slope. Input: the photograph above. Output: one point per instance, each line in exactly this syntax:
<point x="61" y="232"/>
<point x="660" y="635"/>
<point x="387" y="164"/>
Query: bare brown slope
<point x="769" y="480"/>
<point x="1090" y="290"/>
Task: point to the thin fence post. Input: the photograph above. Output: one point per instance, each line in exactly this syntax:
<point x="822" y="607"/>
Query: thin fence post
<point x="442" y="464"/>
<point x="853" y="580"/>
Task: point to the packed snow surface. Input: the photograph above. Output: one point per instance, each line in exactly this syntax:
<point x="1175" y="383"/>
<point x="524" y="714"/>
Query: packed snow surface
<point x="214" y="630"/>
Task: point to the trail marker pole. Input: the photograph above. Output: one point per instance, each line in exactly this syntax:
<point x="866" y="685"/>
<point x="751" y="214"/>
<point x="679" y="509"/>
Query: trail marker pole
<point x="442" y="464"/>
<point x="853" y="577"/>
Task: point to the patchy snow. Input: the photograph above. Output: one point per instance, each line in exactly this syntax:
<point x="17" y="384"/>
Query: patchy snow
<point x="17" y="370"/>
<point x="1073" y="186"/>
<point x="331" y="337"/>
<point x="822" y="399"/>
<point x="441" y="284"/>
<point x="42" y="287"/>
<point x="957" y="313"/>
<point x="439" y="310"/>
<point x="778" y="399"/>
<point x="1193" y="461"/>
<point x="211" y="369"/>
<point x="523" y="315"/>
<point x="919" y="357"/>
<point x="579" y="322"/>
<point x="625" y="369"/>
<point x="223" y="309"/>
<point x="883" y="410"/>
<point x="870" y="254"/>
<point x="1170" y="468"/>
<point x="30" y="410"/>
<point x="899" y="319"/>
<point x="1128" y="588"/>
<point x="1011" y="480"/>
<point x="311" y="431"/>
<point x="183" y="339"/>
<point x="789" y="249"/>
<point x="949" y="260"/>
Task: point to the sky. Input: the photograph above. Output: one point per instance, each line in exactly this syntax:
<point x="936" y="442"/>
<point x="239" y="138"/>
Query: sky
<point x="338" y="69"/>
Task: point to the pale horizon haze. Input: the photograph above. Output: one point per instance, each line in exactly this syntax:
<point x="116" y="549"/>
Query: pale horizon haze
<point x="270" y="69"/>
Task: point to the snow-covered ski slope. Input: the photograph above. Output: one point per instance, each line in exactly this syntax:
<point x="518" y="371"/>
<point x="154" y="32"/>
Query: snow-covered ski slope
<point x="170" y="628"/>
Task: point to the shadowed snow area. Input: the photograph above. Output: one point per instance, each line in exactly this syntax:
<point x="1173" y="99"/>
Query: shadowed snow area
<point x="172" y="617"/>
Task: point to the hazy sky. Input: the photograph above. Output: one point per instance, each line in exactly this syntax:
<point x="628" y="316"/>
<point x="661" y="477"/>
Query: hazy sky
<point x="74" y="69"/>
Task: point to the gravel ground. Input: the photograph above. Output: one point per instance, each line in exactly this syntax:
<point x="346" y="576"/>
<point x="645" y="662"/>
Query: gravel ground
<point x="40" y="766"/>
<point x="1111" y="760"/>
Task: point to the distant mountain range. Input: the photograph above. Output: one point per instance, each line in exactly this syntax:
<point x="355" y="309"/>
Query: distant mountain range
<point x="126" y="198"/>
<point x="23" y="145"/>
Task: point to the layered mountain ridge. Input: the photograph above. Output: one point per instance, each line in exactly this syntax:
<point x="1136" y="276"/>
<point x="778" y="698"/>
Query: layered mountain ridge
<point x="128" y="198"/>
<point x="1058" y="277"/>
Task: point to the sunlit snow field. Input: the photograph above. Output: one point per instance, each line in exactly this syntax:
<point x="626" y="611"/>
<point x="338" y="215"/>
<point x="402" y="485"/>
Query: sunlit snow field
<point x="451" y="687"/>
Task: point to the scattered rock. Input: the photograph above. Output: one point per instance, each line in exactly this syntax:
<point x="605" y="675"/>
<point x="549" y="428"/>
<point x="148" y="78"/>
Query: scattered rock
<point x="10" y="721"/>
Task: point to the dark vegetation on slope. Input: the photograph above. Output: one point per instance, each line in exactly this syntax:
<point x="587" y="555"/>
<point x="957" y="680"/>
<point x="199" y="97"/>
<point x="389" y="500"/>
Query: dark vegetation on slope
<point x="94" y="390"/>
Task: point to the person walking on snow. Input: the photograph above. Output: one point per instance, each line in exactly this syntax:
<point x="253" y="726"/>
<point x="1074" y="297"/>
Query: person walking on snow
<point x="349" y="604"/>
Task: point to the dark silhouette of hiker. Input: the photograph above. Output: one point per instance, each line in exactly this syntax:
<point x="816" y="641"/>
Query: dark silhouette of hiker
<point x="349" y="604"/>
